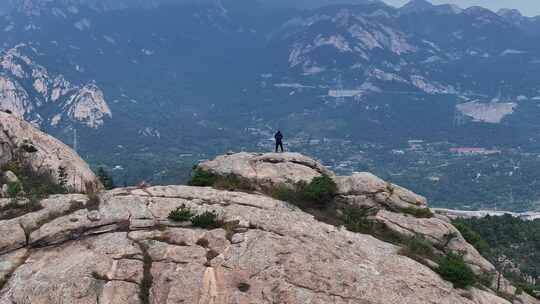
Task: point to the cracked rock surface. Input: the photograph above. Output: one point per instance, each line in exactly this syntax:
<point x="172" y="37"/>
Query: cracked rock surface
<point x="120" y="247"/>
<point x="131" y="253"/>
<point x="362" y="190"/>
<point x="387" y="203"/>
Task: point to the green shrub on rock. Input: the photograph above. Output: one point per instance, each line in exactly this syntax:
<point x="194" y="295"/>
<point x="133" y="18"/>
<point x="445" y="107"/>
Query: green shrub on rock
<point x="472" y="237"/>
<point x="14" y="189"/>
<point x="284" y="193"/>
<point x="63" y="177"/>
<point x="181" y="214"/>
<point x="486" y="278"/>
<point x="206" y="220"/>
<point x="528" y="288"/>
<point x="320" y="190"/>
<point x="417" y="248"/>
<point x="36" y="183"/>
<point x="105" y="178"/>
<point x="355" y="220"/>
<point x="232" y="182"/>
<point x="453" y="268"/>
<point x="418" y="212"/>
<point x="202" y="178"/>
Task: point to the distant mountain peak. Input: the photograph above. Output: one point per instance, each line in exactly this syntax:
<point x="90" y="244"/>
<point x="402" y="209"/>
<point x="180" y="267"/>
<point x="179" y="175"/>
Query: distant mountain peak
<point x="478" y="10"/>
<point x="511" y="14"/>
<point x="38" y="7"/>
<point x="449" y="8"/>
<point x="416" y="6"/>
<point x="30" y="91"/>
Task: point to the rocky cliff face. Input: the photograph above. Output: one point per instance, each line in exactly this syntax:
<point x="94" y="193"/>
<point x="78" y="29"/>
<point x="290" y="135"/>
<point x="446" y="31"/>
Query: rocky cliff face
<point x="389" y="205"/>
<point x="120" y="247"/>
<point x="20" y="141"/>
<point x="30" y="91"/>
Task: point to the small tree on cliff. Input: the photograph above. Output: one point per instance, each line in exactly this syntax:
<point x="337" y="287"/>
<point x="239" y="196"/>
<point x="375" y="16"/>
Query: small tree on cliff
<point x="62" y="177"/>
<point x="105" y="178"/>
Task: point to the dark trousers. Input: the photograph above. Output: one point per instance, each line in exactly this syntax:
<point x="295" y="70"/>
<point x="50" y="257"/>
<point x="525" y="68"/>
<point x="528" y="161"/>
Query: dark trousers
<point x="279" y="144"/>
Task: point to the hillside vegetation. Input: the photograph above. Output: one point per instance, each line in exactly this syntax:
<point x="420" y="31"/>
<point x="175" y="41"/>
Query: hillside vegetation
<point x="510" y="243"/>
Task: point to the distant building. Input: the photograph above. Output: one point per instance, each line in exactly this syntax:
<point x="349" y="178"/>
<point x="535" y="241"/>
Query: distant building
<point x="344" y="93"/>
<point x="416" y="144"/>
<point x="473" y="151"/>
<point x="434" y="178"/>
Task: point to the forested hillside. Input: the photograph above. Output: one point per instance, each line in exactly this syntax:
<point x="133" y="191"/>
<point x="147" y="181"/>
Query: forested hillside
<point x="511" y="244"/>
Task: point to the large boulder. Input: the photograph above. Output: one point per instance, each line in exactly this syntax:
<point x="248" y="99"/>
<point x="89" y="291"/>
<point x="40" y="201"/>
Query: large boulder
<point x="10" y="177"/>
<point x="131" y="253"/>
<point x="267" y="170"/>
<point x="19" y="140"/>
<point x="4" y="190"/>
<point x="367" y="190"/>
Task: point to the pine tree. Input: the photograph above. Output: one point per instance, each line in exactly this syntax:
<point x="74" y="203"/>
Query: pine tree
<point x="105" y="178"/>
<point x="62" y="178"/>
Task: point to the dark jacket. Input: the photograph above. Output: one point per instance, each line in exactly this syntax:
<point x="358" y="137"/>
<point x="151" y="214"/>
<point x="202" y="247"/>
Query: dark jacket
<point x="278" y="136"/>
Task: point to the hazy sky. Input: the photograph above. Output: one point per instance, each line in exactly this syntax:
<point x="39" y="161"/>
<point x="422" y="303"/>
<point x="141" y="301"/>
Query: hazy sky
<point x="527" y="7"/>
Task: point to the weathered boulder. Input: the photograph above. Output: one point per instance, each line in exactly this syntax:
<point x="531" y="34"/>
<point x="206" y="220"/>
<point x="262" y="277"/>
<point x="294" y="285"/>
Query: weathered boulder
<point x="4" y="190"/>
<point x="481" y="296"/>
<point x="367" y="190"/>
<point x="13" y="236"/>
<point x="11" y="261"/>
<point x="264" y="171"/>
<point x="271" y="253"/>
<point x="10" y="177"/>
<point x="267" y="170"/>
<point x="438" y="232"/>
<point x="20" y="140"/>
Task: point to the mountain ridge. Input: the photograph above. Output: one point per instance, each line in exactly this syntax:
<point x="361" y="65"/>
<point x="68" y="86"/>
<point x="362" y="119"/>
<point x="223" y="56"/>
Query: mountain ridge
<point x="83" y="104"/>
<point x="32" y="7"/>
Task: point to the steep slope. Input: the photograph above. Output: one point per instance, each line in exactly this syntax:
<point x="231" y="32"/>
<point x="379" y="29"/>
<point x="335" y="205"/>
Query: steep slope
<point x="507" y="240"/>
<point x="275" y="254"/>
<point x="385" y="203"/>
<point x="22" y="142"/>
<point x="389" y="211"/>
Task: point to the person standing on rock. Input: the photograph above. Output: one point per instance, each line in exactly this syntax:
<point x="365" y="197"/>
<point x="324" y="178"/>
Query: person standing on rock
<point x="279" y="140"/>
